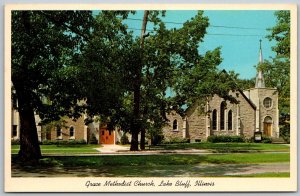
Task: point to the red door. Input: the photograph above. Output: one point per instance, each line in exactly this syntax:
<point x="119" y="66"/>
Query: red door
<point x="106" y="136"/>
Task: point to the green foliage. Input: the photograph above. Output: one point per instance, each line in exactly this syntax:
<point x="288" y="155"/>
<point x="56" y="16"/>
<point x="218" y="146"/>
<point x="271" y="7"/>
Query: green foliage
<point x="277" y="72"/>
<point x="93" y="139"/>
<point x="44" y="44"/>
<point x="266" y="139"/>
<point x="124" y="139"/>
<point x="225" y="139"/>
<point x="176" y="140"/>
<point x="63" y="142"/>
<point x="244" y="84"/>
<point x="49" y="162"/>
<point x="15" y="142"/>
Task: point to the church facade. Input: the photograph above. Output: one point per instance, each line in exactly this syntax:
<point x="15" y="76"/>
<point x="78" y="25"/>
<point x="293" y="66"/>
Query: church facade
<point x="256" y="111"/>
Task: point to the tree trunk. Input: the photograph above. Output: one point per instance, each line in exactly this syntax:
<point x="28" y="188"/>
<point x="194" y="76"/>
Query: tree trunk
<point x="134" y="146"/>
<point x="135" y="125"/>
<point x="142" y="144"/>
<point x="30" y="151"/>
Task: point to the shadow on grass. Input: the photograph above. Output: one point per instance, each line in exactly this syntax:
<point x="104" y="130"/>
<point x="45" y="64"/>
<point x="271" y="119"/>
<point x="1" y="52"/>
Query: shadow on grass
<point x="129" y="166"/>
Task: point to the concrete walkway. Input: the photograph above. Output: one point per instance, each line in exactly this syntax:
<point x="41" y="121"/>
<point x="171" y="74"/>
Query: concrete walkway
<point x="125" y="150"/>
<point x="107" y="148"/>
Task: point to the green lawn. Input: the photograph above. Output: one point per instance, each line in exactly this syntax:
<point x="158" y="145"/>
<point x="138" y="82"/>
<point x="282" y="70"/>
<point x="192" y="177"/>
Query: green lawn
<point x="62" y="149"/>
<point x="154" y="160"/>
<point x="215" y="165"/>
<point x="266" y="175"/>
<point x="225" y="147"/>
<point x="156" y="165"/>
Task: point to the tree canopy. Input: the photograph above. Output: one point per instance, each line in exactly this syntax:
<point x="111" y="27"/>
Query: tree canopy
<point x="44" y="44"/>
<point x="65" y="63"/>
<point x="277" y="71"/>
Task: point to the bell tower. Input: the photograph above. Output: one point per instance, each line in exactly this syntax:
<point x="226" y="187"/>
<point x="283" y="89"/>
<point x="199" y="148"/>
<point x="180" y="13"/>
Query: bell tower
<point x="266" y="102"/>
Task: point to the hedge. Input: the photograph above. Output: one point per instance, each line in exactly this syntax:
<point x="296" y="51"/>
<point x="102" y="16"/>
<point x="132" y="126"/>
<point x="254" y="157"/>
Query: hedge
<point x="225" y="138"/>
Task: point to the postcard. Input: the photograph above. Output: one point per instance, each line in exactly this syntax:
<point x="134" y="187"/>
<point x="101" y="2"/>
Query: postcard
<point x="150" y="98"/>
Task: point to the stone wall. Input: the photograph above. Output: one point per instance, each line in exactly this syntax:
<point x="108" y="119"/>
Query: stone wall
<point x="196" y="124"/>
<point x="79" y="130"/>
<point x="243" y="115"/>
<point x="168" y="131"/>
<point x="271" y="112"/>
<point x="247" y="117"/>
<point x="257" y="95"/>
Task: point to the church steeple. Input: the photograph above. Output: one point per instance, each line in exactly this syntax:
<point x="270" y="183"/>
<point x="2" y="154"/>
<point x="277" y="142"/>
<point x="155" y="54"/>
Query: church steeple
<point x="260" y="82"/>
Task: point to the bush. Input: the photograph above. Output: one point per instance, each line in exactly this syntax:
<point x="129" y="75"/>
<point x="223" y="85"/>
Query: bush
<point x="124" y="139"/>
<point x="176" y="140"/>
<point x="225" y="139"/>
<point x="285" y="132"/>
<point x="266" y="139"/>
<point x="93" y="139"/>
<point x="15" y="142"/>
<point x="157" y="139"/>
<point x="63" y="142"/>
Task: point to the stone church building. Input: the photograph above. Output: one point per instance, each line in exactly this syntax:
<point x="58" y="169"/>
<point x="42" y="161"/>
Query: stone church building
<point x="257" y="110"/>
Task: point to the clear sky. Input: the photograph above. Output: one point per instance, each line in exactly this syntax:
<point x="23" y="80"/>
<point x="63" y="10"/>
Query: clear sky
<point x="240" y="45"/>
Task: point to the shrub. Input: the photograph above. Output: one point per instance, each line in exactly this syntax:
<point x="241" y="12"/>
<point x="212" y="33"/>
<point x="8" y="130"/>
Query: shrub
<point x="15" y="142"/>
<point x="93" y="139"/>
<point x="225" y="139"/>
<point x="63" y="142"/>
<point x="266" y="139"/>
<point x="124" y="139"/>
<point x="285" y="132"/>
<point x="157" y="139"/>
<point x="176" y="140"/>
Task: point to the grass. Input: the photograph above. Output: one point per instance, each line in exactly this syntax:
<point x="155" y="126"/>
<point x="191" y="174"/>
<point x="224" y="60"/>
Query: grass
<point x="266" y="175"/>
<point x="166" y="160"/>
<point x="155" y="165"/>
<point x="225" y="147"/>
<point x="150" y="165"/>
<point x="62" y="149"/>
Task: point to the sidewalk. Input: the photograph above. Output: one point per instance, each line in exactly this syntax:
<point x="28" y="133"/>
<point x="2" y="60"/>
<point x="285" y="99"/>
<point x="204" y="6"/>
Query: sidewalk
<point x="125" y="150"/>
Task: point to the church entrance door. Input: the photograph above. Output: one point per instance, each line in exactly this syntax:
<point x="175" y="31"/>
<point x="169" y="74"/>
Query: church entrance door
<point x="106" y="136"/>
<point x="268" y="126"/>
<point x="267" y="129"/>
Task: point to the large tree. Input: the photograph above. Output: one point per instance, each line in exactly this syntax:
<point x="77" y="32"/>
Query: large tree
<point x="277" y="71"/>
<point x="43" y="46"/>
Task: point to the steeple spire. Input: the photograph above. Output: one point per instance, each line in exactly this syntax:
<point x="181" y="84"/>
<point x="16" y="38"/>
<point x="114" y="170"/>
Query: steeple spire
<point x="260" y="82"/>
<point x="260" y="53"/>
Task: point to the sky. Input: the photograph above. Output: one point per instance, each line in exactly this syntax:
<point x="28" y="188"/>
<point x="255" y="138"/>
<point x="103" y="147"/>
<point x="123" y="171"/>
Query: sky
<point x="239" y="39"/>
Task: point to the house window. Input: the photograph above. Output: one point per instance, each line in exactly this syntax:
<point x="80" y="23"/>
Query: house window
<point x="214" y="120"/>
<point x="222" y="116"/>
<point x="230" y="120"/>
<point x="175" y="125"/>
<point x="267" y="102"/>
<point x="14" y="131"/>
<point x="72" y="131"/>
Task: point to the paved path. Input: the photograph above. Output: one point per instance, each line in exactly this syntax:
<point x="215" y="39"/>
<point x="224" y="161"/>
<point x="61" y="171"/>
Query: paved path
<point x="125" y="150"/>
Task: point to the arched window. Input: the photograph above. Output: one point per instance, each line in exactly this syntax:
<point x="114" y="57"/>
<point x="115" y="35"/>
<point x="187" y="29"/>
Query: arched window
<point x="230" y="120"/>
<point x="175" y="125"/>
<point x="72" y="131"/>
<point x="214" y="120"/>
<point x="222" y="116"/>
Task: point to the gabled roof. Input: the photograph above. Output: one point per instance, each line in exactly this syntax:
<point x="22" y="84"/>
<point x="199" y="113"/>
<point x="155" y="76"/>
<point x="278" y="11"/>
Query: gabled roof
<point x="247" y="99"/>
